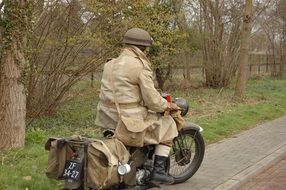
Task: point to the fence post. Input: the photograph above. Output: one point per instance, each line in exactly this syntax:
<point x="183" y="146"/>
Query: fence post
<point x="92" y="79"/>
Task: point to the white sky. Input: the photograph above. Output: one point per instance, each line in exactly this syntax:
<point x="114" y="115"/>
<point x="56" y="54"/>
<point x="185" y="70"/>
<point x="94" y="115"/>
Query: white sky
<point x="2" y="7"/>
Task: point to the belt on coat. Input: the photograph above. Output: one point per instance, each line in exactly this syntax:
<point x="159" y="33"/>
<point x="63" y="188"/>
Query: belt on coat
<point x="110" y="104"/>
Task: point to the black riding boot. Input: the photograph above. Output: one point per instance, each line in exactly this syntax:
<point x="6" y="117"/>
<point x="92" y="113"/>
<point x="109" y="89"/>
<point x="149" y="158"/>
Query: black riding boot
<point x="159" y="174"/>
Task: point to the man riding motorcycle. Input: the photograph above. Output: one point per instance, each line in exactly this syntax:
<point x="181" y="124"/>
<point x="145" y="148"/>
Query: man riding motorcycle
<point x="138" y="98"/>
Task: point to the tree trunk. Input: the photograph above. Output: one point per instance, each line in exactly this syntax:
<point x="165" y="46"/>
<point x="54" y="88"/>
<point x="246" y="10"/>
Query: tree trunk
<point x="12" y="103"/>
<point x="184" y="28"/>
<point x="243" y="56"/>
<point x="13" y="29"/>
<point x="161" y="76"/>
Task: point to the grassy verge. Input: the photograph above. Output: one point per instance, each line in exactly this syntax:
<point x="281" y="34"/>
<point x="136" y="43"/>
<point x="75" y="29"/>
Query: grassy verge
<point x="220" y="115"/>
<point x="266" y="101"/>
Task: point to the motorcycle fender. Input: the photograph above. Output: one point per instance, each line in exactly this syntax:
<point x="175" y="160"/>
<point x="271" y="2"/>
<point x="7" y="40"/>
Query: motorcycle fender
<point x="193" y="126"/>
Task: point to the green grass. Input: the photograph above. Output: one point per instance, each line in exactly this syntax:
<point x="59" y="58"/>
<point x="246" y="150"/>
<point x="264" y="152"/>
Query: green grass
<point x="267" y="101"/>
<point x="222" y="116"/>
<point x="215" y="110"/>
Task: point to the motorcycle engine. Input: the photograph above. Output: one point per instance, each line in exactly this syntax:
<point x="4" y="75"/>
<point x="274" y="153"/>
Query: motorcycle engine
<point x="141" y="176"/>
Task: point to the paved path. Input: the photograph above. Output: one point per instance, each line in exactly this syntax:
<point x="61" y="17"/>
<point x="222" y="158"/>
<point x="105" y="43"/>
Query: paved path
<point x="232" y="162"/>
<point x="273" y="178"/>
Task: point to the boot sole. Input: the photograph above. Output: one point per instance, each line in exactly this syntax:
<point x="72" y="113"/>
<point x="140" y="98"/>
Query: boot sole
<point x="161" y="183"/>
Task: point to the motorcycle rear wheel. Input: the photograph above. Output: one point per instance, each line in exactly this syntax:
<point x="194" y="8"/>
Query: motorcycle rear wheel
<point x="187" y="154"/>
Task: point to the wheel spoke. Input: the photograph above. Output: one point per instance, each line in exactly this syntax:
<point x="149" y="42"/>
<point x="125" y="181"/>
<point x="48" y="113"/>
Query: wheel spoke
<point x="186" y="155"/>
<point x="183" y="145"/>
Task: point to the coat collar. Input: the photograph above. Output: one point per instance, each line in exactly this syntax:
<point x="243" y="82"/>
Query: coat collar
<point x="127" y="51"/>
<point x="135" y="52"/>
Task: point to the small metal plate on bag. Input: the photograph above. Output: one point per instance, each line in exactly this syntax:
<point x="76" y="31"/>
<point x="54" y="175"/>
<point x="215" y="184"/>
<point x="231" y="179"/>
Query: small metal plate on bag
<point x="72" y="170"/>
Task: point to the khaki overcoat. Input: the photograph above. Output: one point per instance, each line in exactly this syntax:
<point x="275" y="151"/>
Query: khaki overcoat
<point x="137" y="97"/>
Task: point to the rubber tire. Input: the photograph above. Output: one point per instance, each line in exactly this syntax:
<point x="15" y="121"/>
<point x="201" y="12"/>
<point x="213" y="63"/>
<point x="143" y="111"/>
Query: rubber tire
<point x="200" y="146"/>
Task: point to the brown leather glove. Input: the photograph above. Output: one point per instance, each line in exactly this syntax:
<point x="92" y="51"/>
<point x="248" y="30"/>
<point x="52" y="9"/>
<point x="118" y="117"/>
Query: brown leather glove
<point x="172" y="107"/>
<point x="180" y="122"/>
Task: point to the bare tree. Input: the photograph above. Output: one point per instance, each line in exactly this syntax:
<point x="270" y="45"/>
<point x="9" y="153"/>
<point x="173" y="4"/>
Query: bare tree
<point x="219" y="23"/>
<point x="184" y="31"/>
<point x="273" y="24"/>
<point x="244" y="48"/>
<point x="15" y="22"/>
<point x="63" y="51"/>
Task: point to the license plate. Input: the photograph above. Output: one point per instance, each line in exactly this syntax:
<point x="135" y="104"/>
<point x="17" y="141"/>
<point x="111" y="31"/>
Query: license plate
<point x="72" y="170"/>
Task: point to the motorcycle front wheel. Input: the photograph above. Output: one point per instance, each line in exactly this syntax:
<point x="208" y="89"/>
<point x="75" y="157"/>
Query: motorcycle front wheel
<point x="187" y="154"/>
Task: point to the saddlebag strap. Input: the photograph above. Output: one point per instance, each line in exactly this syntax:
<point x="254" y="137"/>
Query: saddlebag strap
<point x="111" y="160"/>
<point x="113" y="90"/>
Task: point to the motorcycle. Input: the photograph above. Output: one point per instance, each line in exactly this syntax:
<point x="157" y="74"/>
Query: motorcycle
<point x="185" y="158"/>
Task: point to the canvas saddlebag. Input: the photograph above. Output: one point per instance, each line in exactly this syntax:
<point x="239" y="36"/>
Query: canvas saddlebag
<point x="131" y="131"/>
<point x="56" y="158"/>
<point x="62" y="152"/>
<point x="103" y="159"/>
